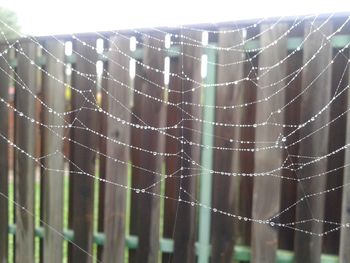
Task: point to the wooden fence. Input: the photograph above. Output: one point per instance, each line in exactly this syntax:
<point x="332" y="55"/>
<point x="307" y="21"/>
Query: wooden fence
<point x="114" y="185"/>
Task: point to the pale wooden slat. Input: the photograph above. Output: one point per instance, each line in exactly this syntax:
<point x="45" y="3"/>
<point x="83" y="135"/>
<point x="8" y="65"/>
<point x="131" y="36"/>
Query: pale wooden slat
<point x="25" y="166"/>
<point x="308" y="247"/>
<point x="115" y="197"/>
<point x="53" y="93"/>
<point x="267" y="189"/>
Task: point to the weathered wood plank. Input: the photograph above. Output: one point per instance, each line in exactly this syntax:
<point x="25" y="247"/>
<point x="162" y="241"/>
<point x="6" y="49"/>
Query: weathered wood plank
<point x="244" y="185"/>
<point x="52" y="145"/>
<point x="308" y="247"/>
<point x="289" y="187"/>
<point x="25" y="167"/>
<point x="135" y="157"/>
<point x="152" y="114"/>
<point x="267" y="189"/>
<point x="115" y="197"/>
<point x="337" y="134"/>
<point x="102" y="159"/>
<point x="344" y="247"/>
<point x="224" y="187"/>
<point x="185" y="226"/>
<point x="172" y="163"/>
<point x="82" y="158"/>
<point x="4" y="160"/>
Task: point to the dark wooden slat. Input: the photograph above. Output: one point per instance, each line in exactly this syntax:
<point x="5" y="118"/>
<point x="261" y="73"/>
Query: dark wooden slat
<point x="225" y="188"/>
<point x="267" y="189"/>
<point x="185" y="222"/>
<point x="152" y="114"/>
<point x="135" y="158"/>
<point x="53" y="93"/>
<point x="344" y="246"/>
<point x="172" y="163"/>
<point x="308" y="247"/>
<point x="337" y="134"/>
<point x="82" y="159"/>
<point x="102" y="161"/>
<point x="289" y="187"/>
<point x="4" y="160"/>
<point x="115" y="197"/>
<point x="244" y="185"/>
<point x="25" y="166"/>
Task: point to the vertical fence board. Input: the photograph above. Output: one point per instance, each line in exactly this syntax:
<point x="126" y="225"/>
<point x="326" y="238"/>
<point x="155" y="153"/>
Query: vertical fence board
<point x="135" y="157"/>
<point x="289" y="187"/>
<point x="180" y="222"/>
<point x="337" y="135"/>
<point x="152" y="114"/>
<point x="54" y="93"/>
<point x="245" y="160"/>
<point x="267" y="189"/>
<point x="115" y="197"/>
<point x="172" y="163"/>
<point x="224" y="188"/>
<point x="308" y="247"/>
<point x="102" y="159"/>
<point x="185" y="222"/>
<point x="82" y="158"/>
<point x="4" y="160"/>
<point x="25" y="166"/>
<point x="344" y="247"/>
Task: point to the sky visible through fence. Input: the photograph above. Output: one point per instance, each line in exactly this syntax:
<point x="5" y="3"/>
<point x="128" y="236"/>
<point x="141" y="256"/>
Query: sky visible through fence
<point x="101" y="15"/>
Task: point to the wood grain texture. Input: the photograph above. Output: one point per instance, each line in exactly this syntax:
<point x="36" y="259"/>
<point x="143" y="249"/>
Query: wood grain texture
<point x="152" y="114"/>
<point x="267" y="189"/>
<point x="225" y="188"/>
<point x="337" y="134"/>
<point x="136" y="173"/>
<point x="82" y="155"/>
<point x="245" y="160"/>
<point x="4" y="152"/>
<point x="292" y="115"/>
<point x="172" y="163"/>
<point x="53" y="92"/>
<point x="185" y="222"/>
<point x="25" y="139"/>
<point x="115" y="197"/>
<point x="316" y="88"/>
